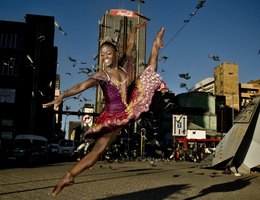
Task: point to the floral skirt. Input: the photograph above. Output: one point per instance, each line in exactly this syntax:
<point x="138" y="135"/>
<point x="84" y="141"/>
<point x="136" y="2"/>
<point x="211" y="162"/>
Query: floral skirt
<point x="140" y="99"/>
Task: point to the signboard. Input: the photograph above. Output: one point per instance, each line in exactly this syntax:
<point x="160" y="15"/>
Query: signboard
<point x="87" y="119"/>
<point x="124" y="13"/>
<point x="179" y="125"/>
<point x="196" y="134"/>
<point x="162" y="87"/>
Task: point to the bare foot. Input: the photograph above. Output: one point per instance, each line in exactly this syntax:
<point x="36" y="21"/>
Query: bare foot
<point x="67" y="180"/>
<point x="159" y="38"/>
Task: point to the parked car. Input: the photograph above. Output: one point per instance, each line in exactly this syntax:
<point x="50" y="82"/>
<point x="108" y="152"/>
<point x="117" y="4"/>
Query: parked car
<point x="53" y="151"/>
<point x="29" y="149"/>
<point x="54" y="148"/>
<point x="68" y="148"/>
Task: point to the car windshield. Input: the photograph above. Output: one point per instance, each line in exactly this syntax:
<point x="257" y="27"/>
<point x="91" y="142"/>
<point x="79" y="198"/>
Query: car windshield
<point x="22" y="143"/>
<point x="40" y="143"/>
<point x="25" y="143"/>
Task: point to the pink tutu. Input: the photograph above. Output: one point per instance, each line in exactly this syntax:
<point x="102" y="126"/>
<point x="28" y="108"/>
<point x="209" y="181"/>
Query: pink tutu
<point x="140" y="99"/>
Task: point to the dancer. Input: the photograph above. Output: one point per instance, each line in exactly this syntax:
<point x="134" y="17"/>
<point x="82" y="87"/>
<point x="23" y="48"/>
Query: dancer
<point x="120" y="108"/>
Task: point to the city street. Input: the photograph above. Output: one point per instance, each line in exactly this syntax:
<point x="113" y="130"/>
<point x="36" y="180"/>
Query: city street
<point x="129" y="180"/>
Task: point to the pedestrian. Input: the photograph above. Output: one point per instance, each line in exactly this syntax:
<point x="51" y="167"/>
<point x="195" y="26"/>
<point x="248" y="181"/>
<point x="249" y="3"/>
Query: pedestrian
<point x="120" y="107"/>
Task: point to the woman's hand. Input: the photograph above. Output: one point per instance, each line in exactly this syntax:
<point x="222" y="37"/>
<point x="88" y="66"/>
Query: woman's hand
<point x="56" y="102"/>
<point x="140" y="25"/>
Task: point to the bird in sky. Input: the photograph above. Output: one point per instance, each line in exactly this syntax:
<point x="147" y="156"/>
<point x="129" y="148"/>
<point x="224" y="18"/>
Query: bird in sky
<point x="94" y="68"/>
<point x="67" y="107"/>
<point x="259" y="52"/>
<point x="68" y="73"/>
<point x="95" y="56"/>
<point x="59" y="28"/>
<point x="184" y="85"/>
<point x="77" y="97"/>
<point x="185" y="76"/>
<point x="85" y="99"/>
<point x="72" y="59"/>
<point x="200" y="4"/>
<point x="163" y="58"/>
<point x="214" y="57"/>
<point x="85" y="70"/>
<point x="193" y="13"/>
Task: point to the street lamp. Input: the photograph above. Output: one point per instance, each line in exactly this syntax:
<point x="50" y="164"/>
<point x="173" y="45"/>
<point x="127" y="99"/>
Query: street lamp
<point x="138" y="35"/>
<point x="65" y="123"/>
<point x="221" y="106"/>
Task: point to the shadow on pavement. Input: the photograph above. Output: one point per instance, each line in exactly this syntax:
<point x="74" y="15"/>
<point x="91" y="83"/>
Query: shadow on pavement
<point x="224" y="187"/>
<point x="154" y="194"/>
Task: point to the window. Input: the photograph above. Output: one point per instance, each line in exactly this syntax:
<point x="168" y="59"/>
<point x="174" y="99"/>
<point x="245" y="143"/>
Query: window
<point x="8" y="67"/>
<point x="7" y="122"/>
<point x="7" y="95"/>
<point x="8" y="41"/>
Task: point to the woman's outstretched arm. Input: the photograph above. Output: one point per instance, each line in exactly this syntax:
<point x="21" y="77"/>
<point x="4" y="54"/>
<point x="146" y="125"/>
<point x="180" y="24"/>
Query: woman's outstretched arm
<point x="72" y="91"/>
<point x="132" y="37"/>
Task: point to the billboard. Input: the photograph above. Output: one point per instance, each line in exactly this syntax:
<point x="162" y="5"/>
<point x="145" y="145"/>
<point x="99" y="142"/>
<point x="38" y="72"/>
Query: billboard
<point x="124" y="13"/>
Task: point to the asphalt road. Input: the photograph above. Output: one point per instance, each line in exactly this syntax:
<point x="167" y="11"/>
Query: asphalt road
<point x="138" y="180"/>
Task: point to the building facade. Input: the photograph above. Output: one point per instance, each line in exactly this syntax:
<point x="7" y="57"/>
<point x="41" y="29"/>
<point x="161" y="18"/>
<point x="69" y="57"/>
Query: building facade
<point x="247" y="91"/>
<point x="28" y="61"/>
<point x="205" y="85"/>
<point x="226" y="84"/>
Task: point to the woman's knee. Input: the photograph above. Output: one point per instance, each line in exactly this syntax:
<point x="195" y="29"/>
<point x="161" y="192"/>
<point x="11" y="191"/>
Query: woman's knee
<point x="104" y="141"/>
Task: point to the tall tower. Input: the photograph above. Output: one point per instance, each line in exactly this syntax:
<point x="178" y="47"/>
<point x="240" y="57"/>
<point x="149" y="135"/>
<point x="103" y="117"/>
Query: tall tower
<point x="117" y="24"/>
<point x="226" y="84"/>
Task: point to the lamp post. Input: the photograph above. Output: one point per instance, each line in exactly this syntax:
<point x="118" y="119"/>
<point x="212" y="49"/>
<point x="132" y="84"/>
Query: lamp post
<point x="65" y="123"/>
<point x="138" y="36"/>
<point x="233" y="109"/>
<point x="143" y="138"/>
<point x="221" y="106"/>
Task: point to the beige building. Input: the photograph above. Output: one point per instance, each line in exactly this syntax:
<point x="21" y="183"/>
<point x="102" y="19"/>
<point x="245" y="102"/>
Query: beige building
<point x="226" y="84"/>
<point x="248" y="91"/>
<point x="232" y="95"/>
<point x="205" y="85"/>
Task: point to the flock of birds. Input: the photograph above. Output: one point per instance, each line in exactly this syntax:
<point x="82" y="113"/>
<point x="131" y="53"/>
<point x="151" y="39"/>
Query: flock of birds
<point x="92" y="69"/>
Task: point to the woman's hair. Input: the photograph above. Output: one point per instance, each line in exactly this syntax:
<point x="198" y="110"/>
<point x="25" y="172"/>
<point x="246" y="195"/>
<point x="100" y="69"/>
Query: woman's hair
<point x="110" y="41"/>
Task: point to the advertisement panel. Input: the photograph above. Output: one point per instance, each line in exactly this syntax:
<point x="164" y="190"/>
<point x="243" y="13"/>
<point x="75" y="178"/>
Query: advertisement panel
<point x="124" y="13"/>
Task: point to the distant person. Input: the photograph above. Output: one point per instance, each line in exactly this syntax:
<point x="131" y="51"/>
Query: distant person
<point x="86" y="144"/>
<point x="119" y="109"/>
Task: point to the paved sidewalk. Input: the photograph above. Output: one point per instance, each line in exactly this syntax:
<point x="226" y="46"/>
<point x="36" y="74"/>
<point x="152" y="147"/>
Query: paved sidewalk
<point x="129" y="180"/>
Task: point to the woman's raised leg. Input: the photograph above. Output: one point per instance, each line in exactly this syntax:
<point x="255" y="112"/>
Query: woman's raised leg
<point x="157" y="45"/>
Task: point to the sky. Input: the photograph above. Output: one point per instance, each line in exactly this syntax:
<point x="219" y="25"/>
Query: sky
<point x="229" y="29"/>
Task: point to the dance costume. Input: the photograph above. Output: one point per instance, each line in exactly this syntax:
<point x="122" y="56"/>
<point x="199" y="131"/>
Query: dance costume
<point x="119" y="110"/>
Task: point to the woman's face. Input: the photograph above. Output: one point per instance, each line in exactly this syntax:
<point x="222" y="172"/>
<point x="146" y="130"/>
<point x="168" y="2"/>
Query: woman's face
<point x="108" y="55"/>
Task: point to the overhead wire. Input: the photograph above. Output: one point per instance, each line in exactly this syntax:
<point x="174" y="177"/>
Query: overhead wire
<point x="198" y="6"/>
